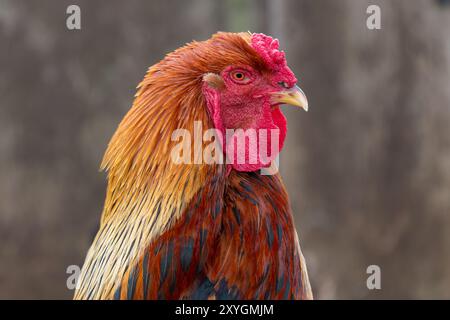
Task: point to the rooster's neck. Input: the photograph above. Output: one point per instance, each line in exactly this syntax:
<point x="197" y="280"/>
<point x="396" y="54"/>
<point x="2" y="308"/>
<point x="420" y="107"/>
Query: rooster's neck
<point x="147" y="192"/>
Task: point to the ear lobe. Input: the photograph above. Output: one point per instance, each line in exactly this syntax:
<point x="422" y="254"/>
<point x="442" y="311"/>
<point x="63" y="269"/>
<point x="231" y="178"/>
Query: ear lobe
<point x="212" y="96"/>
<point x="214" y="80"/>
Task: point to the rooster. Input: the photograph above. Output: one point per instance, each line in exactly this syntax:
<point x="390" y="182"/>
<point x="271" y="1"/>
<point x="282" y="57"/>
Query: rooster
<point x="200" y="230"/>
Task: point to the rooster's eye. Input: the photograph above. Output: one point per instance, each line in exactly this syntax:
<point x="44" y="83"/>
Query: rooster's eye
<point x="239" y="77"/>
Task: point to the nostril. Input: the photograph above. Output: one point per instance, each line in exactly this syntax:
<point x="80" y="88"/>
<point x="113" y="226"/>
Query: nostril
<point x="283" y="85"/>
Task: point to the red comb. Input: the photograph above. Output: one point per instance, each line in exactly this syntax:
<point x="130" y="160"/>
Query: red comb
<point x="268" y="49"/>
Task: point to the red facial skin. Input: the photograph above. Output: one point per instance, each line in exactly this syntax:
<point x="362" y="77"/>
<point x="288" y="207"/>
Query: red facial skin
<point x="244" y="102"/>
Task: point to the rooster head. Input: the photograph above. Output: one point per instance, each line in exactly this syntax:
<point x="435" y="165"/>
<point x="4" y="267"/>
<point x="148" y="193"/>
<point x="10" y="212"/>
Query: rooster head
<point x="243" y="100"/>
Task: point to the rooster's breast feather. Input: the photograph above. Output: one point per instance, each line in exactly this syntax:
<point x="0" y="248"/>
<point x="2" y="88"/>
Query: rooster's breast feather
<point x="236" y="240"/>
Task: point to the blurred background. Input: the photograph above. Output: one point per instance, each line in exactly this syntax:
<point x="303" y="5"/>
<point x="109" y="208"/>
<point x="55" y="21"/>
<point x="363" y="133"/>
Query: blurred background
<point x="367" y="168"/>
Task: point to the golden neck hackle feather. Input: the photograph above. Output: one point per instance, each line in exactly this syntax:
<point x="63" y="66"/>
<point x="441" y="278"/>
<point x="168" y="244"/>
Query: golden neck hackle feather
<point x="146" y="191"/>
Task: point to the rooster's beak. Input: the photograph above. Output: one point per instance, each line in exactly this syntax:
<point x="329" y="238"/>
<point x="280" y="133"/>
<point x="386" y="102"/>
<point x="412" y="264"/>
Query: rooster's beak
<point x="294" y="96"/>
